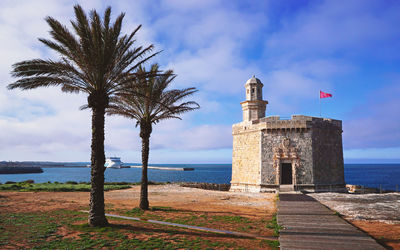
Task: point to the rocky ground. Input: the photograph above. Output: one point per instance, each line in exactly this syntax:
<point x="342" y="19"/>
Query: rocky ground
<point x="373" y="207"/>
<point x="376" y="214"/>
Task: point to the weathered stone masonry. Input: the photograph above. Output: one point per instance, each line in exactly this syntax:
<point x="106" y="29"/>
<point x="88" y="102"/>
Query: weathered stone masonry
<point x="303" y="152"/>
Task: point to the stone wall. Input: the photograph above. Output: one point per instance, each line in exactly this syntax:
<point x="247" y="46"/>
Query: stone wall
<point x="301" y="140"/>
<point x="313" y="147"/>
<point x="327" y="152"/>
<point x="246" y="156"/>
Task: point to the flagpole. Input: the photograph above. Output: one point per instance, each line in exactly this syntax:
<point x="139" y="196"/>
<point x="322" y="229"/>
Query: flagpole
<point x="320" y="104"/>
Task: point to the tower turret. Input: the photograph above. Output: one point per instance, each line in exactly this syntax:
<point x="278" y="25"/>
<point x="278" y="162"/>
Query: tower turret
<point x="254" y="106"/>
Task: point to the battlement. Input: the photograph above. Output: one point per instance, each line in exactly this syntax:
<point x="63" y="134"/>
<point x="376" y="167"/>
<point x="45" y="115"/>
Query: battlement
<point x="296" y="122"/>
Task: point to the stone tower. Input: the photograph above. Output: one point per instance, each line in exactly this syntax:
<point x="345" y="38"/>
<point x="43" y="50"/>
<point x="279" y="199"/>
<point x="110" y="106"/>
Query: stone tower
<point x="269" y="153"/>
<point x="254" y="106"/>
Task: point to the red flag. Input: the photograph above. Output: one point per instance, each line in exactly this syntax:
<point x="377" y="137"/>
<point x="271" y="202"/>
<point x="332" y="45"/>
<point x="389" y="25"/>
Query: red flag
<point x="324" y="95"/>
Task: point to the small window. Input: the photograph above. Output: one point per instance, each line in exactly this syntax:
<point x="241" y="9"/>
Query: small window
<point x="252" y="91"/>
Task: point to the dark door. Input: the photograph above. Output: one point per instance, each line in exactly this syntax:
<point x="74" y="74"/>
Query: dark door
<point x="286" y="173"/>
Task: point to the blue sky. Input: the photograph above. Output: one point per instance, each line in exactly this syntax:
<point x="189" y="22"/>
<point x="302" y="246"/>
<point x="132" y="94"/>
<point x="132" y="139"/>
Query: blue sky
<point x="347" y="48"/>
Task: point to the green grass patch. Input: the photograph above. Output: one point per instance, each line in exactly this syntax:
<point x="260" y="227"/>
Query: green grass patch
<point x="231" y="219"/>
<point x="168" y="214"/>
<point x="164" y="209"/>
<point x="147" y="214"/>
<point x="273" y="224"/>
<point x="186" y="220"/>
<point x="136" y="212"/>
<point x="34" y="228"/>
<point x="57" y="187"/>
<point x="274" y="244"/>
<point x="40" y="230"/>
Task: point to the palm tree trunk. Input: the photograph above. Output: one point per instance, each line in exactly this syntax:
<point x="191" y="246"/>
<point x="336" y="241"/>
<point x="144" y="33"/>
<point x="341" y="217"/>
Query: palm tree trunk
<point x="145" y="135"/>
<point x="96" y="214"/>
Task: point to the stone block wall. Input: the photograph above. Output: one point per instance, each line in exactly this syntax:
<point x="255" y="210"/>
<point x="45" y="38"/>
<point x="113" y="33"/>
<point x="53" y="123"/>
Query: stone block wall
<point x="313" y="146"/>
<point x="301" y="140"/>
<point x="327" y="152"/>
<point x="253" y="110"/>
<point x="246" y="155"/>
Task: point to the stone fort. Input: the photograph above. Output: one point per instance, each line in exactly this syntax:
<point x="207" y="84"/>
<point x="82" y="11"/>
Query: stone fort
<point x="303" y="153"/>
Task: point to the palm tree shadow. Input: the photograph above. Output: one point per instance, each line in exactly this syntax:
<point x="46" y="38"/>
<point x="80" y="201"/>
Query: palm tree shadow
<point x="173" y="231"/>
<point x="172" y="210"/>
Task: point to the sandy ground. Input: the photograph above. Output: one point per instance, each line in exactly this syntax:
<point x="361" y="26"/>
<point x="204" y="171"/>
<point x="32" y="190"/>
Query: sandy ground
<point x="191" y="199"/>
<point x="187" y="201"/>
<point x="376" y="214"/>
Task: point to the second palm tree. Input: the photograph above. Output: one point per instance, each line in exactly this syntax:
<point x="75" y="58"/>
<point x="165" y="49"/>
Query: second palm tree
<point x="148" y="101"/>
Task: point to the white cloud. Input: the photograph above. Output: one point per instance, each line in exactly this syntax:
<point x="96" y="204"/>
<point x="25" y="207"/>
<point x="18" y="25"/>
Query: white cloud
<point x="180" y="136"/>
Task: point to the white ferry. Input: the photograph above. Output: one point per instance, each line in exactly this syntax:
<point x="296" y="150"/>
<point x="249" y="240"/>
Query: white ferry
<point x="114" y="162"/>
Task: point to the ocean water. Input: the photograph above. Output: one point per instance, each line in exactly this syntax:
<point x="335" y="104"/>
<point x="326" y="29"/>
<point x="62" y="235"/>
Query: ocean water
<point x="371" y="175"/>
<point x="212" y="173"/>
<point x="385" y="176"/>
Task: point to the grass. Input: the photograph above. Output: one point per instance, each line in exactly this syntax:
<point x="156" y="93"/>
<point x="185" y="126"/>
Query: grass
<point x="274" y="244"/>
<point x="34" y="228"/>
<point x="273" y="224"/>
<point x="59" y="229"/>
<point x="231" y="219"/>
<point x="57" y="187"/>
<point x="42" y="230"/>
<point x="203" y="219"/>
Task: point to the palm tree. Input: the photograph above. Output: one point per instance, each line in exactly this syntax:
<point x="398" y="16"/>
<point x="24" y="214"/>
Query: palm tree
<point x="147" y="101"/>
<point x="96" y="60"/>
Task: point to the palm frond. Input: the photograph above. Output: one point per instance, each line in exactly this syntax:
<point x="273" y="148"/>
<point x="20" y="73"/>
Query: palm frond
<point x="94" y="56"/>
<point x="146" y="97"/>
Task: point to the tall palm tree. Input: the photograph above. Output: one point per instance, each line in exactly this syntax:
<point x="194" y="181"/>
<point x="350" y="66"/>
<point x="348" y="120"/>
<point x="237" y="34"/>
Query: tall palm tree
<point x="97" y="60"/>
<point x="148" y="101"/>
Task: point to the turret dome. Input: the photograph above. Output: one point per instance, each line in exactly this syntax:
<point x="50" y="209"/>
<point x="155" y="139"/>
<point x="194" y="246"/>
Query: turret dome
<point x="253" y="80"/>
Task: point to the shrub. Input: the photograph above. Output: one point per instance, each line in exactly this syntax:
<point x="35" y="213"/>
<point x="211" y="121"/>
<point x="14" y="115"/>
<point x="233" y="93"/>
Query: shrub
<point x="28" y="181"/>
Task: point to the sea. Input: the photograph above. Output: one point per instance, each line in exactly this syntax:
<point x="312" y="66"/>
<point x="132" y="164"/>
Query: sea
<point x="385" y="176"/>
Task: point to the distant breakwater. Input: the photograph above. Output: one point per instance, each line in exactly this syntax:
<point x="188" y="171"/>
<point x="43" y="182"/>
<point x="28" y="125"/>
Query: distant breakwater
<point x="9" y="167"/>
<point x="42" y="164"/>
<point x="20" y="170"/>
